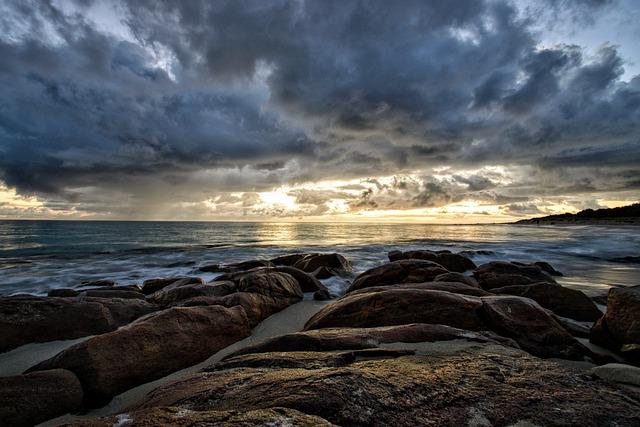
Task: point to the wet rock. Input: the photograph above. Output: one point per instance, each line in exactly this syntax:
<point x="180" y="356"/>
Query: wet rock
<point x="531" y="327"/>
<point x="498" y="387"/>
<point x="574" y="327"/>
<point x="239" y="266"/>
<point x="450" y="261"/>
<point x="281" y="417"/>
<point x="62" y="293"/>
<point x="174" y="293"/>
<point x="618" y="372"/>
<point x="27" y="400"/>
<point x="629" y="259"/>
<point x="153" y="285"/>
<point x="312" y="262"/>
<point x="453" y="287"/>
<point x="402" y="271"/>
<point x="288" y="260"/>
<point x="562" y="301"/>
<point x="398" y="306"/>
<point x="457" y="278"/>
<point x="112" y="293"/>
<point x="499" y="274"/>
<point x="619" y="328"/>
<point x="333" y="339"/>
<point x="322" y="295"/>
<point x="98" y="283"/>
<point x="26" y="320"/>
<point x="150" y="348"/>
<point x="325" y="273"/>
<point x="547" y="268"/>
<point x="307" y="282"/>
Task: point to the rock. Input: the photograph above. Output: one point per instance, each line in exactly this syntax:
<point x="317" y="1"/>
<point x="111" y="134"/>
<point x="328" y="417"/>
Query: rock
<point x="26" y="320"/>
<point x="403" y="271"/>
<point x="148" y="349"/>
<point x="62" y="293"/>
<point x="499" y="274"/>
<point x="629" y="259"/>
<point x="452" y="262"/>
<point x="620" y="326"/>
<point x="322" y="295"/>
<point x="325" y="273"/>
<point x="112" y="293"/>
<point x="307" y="282"/>
<point x="453" y="287"/>
<point x="172" y="294"/>
<point x="98" y="283"/>
<point x="288" y="260"/>
<point x="27" y="400"/>
<point x="547" y="268"/>
<point x="333" y="339"/>
<point x="153" y="285"/>
<point x="312" y="262"/>
<point x="562" y="301"/>
<point x="498" y="387"/>
<point x="398" y="306"/>
<point x="457" y="278"/>
<point x="281" y="417"/>
<point x="239" y="266"/>
<point x="531" y="327"/>
<point x="574" y="327"/>
<point x="617" y="372"/>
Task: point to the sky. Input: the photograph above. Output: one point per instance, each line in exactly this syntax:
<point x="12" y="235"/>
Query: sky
<point x="458" y="111"/>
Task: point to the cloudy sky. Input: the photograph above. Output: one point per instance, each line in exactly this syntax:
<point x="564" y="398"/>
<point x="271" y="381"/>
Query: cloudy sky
<point x="432" y="111"/>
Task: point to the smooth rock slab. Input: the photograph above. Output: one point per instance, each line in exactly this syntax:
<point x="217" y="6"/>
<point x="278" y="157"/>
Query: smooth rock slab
<point x="449" y="390"/>
<point x="618" y="372"/>
<point x="150" y="348"/>
<point x="402" y="271"/>
<point x="498" y="274"/>
<point x="26" y="400"/>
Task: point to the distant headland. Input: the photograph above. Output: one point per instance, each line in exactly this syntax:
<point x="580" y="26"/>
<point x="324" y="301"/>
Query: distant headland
<point x="622" y="215"/>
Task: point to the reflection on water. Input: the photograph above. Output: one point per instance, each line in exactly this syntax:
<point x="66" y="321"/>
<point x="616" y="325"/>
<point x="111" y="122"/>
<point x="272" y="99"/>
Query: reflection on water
<point x="39" y="255"/>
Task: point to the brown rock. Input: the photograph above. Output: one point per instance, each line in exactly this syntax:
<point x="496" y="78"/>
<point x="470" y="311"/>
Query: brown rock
<point x="499" y="274"/>
<point x="26" y="400"/>
<point x="458" y="278"/>
<point x="397" y="306"/>
<point x="153" y="285"/>
<point x="307" y="282"/>
<point x="239" y="266"/>
<point x="150" y="348"/>
<point x="62" y="293"/>
<point x="403" y="271"/>
<point x="112" y="293"/>
<point x="185" y="418"/>
<point x="497" y="388"/>
<point x="312" y="262"/>
<point x="453" y="287"/>
<point x="562" y="301"/>
<point x="25" y="320"/>
<point x="450" y="261"/>
<point x="288" y="260"/>
<point x="98" y="283"/>
<point x="531" y="327"/>
<point x="322" y="295"/>
<point x="172" y="294"/>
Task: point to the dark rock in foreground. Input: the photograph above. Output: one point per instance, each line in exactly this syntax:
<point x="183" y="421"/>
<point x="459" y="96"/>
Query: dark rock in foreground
<point x="499" y="274"/>
<point x="562" y="301"/>
<point x="150" y="348"/>
<point x="239" y="266"/>
<point x="402" y="271"/>
<point x="452" y="262"/>
<point x="490" y="383"/>
<point x="153" y="285"/>
<point x="26" y="400"/>
<point x="25" y="320"/>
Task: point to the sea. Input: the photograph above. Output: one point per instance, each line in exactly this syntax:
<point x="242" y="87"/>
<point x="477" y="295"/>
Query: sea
<point x="37" y="256"/>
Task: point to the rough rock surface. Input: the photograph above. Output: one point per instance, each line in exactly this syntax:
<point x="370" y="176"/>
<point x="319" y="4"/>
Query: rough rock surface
<point x="26" y="400"/>
<point x="112" y="293"/>
<point x="30" y="319"/>
<point x="330" y="262"/>
<point x="618" y="372"/>
<point x="453" y="287"/>
<point x="562" y="301"/>
<point x="177" y="292"/>
<point x="153" y="285"/>
<point x="498" y="274"/>
<point x="403" y="271"/>
<point x="476" y="387"/>
<point x="150" y="348"/>
<point x="619" y="328"/>
<point x="450" y="261"/>
<point x="274" y="417"/>
<point x="238" y="266"/>
<point x="458" y="278"/>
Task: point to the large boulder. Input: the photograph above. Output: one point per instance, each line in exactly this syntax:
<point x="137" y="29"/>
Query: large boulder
<point x="618" y="372"/>
<point x="531" y="327"/>
<point x="172" y="294"/>
<point x="153" y="285"/>
<point x="150" y="348"/>
<point x="450" y="261"/>
<point x="288" y="260"/>
<point x="238" y="266"/>
<point x="453" y="287"/>
<point x="402" y="271"/>
<point x="280" y="417"/>
<point x="399" y="306"/>
<point x="307" y="282"/>
<point x="562" y="301"/>
<point x="480" y="386"/>
<point x="457" y="278"/>
<point x="499" y="274"/>
<point x="26" y="320"/>
<point x="112" y="293"/>
<point x="324" y="265"/>
<point x="619" y="328"/>
<point x="27" y="400"/>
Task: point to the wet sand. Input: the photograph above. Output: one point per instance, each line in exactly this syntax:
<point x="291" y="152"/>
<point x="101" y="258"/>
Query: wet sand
<point x="291" y="319"/>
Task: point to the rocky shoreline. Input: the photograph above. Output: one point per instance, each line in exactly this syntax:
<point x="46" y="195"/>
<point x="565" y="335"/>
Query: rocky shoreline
<point x="428" y="338"/>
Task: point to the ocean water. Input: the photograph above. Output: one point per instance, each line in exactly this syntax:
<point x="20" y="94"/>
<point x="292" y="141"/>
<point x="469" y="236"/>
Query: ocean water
<point x="36" y="256"/>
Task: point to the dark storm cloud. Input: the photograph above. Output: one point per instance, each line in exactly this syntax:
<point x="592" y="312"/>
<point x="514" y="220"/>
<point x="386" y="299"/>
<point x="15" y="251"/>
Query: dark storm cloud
<point x="246" y="95"/>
